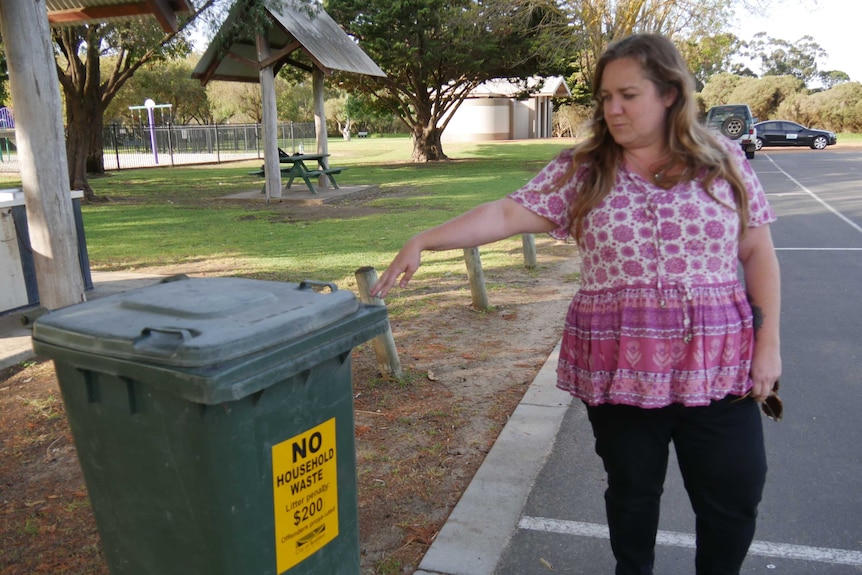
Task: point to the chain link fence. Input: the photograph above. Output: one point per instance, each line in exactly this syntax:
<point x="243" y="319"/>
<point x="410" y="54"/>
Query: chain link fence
<point x="140" y="146"/>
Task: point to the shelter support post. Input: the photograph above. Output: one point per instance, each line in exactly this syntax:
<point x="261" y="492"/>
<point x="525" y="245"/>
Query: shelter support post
<point x="42" y="152"/>
<point x="320" y="122"/>
<point x="272" y="171"/>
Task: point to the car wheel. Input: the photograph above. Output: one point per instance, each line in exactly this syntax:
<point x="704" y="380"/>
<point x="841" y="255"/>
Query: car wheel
<point x="749" y="154"/>
<point x="758" y="144"/>
<point x="819" y="143"/>
<point x="733" y="127"/>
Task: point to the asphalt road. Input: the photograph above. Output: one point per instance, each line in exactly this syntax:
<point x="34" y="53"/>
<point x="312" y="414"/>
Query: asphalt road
<point x="811" y="516"/>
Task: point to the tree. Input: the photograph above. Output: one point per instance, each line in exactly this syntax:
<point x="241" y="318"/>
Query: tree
<point x="709" y="56"/>
<point x="132" y="45"/>
<point x="435" y="52"/>
<point x="294" y="99"/>
<point x="166" y="83"/>
<point x="838" y="109"/>
<point x="832" y="78"/>
<point x="605" y="21"/>
<point x="4" y="78"/>
<point x="764" y="95"/>
<point x="87" y="94"/>
<point x="782" y="58"/>
<point x="720" y="88"/>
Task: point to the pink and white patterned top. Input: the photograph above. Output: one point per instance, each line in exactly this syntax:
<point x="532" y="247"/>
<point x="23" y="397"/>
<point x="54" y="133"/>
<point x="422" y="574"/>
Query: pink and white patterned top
<point x="661" y="316"/>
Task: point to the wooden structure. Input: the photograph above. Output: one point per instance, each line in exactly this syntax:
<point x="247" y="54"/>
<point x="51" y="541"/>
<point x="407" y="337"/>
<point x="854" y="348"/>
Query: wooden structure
<point x="73" y="12"/>
<point x="309" y="31"/>
<point x="25" y="27"/>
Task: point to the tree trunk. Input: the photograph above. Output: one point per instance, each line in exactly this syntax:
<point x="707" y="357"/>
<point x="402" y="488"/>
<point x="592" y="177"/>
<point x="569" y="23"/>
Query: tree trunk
<point x="426" y="144"/>
<point x="78" y="140"/>
<point x="96" y="151"/>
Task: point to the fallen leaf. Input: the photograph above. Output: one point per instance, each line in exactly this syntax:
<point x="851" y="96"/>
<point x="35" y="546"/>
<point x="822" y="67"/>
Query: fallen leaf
<point x="432" y="376"/>
<point x="546" y="564"/>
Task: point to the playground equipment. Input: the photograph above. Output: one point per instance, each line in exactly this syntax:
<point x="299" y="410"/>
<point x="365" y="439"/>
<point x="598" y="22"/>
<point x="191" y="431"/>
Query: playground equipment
<point x="150" y="106"/>
<point x="7" y="133"/>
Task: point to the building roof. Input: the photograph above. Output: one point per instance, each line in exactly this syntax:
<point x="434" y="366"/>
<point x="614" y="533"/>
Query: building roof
<point x="553" y="86"/>
<point x="73" y="12"/>
<point x="317" y="35"/>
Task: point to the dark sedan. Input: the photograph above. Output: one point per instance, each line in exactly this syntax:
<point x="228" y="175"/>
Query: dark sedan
<point x="784" y="133"/>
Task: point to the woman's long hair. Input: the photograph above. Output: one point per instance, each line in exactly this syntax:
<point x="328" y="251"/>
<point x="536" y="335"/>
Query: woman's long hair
<point x="690" y="144"/>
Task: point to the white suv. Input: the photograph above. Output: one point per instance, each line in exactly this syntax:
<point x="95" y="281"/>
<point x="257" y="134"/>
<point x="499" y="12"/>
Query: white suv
<point x="736" y="122"/>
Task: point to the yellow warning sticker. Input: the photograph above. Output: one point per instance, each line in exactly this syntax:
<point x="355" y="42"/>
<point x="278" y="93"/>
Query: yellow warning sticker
<point x="305" y="494"/>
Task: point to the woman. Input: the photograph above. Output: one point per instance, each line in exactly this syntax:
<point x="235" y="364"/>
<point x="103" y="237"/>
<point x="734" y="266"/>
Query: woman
<point x="661" y="343"/>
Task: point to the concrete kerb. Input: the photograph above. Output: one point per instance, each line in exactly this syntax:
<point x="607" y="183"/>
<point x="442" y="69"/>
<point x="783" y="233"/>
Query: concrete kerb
<point x="485" y="518"/>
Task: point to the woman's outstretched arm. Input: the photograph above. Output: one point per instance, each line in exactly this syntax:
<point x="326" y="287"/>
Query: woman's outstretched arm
<point x="484" y="224"/>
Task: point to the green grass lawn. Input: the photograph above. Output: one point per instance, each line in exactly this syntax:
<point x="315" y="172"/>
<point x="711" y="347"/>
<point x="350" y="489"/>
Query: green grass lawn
<point x="172" y="216"/>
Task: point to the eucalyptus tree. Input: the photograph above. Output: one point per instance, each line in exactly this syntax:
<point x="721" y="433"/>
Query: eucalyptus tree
<point x="782" y="58"/>
<point x="692" y="24"/>
<point x="435" y="52"/>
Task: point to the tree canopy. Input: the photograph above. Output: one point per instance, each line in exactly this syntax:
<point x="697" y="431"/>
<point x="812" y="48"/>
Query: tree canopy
<point x="88" y="92"/>
<point x="435" y="52"/>
<point x="779" y="57"/>
<point x="602" y="22"/>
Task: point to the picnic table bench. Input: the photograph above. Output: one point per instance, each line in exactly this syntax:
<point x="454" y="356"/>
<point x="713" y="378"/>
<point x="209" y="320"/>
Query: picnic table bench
<point x="298" y="169"/>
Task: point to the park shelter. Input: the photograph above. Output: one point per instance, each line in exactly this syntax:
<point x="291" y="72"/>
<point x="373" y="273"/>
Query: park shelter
<point x="74" y="12"/>
<point x="292" y="31"/>
<point x="26" y="32"/>
<point x="503" y="110"/>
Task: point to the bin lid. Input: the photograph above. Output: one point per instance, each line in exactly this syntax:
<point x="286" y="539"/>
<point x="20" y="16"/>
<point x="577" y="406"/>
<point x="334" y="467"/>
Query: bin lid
<point x="195" y="322"/>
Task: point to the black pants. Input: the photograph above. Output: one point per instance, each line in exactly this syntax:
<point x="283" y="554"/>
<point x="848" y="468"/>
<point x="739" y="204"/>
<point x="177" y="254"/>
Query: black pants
<point x="723" y="463"/>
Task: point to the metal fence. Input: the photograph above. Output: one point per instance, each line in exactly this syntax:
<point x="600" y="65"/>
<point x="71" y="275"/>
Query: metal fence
<point x="140" y="146"/>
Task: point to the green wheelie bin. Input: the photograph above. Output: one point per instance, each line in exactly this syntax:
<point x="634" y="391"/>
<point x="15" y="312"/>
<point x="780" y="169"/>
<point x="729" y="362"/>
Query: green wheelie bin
<point x="213" y="420"/>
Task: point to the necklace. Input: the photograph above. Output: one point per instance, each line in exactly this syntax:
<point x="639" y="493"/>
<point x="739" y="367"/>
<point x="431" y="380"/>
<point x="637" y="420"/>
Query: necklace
<point x="656" y="175"/>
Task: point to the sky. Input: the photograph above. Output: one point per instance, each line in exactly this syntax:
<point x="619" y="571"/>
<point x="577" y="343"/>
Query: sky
<point x="834" y="24"/>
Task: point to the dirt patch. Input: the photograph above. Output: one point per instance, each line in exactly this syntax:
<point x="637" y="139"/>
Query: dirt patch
<point x="419" y="440"/>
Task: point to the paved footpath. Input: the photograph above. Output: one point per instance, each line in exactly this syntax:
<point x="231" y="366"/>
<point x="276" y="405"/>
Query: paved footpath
<point x="15" y="345"/>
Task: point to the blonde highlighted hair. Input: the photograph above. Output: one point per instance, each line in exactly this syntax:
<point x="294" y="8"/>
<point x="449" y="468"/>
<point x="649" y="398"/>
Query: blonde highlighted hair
<point x="690" y="144"/>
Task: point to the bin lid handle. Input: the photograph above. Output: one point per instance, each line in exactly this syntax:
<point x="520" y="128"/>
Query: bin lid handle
<point x="164" y="339"/>
<point x="308" y="284"/>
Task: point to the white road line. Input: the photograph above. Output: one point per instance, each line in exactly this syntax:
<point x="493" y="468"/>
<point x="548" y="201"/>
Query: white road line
<point x="818" y="249"/>
<point x="813" y="195"/>
<point x="675" y="539"/>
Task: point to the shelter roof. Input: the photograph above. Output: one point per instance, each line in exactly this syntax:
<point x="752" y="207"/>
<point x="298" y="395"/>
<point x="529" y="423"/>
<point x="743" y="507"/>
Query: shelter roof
<point x="310" y="30"/>
<point x="72" y="12"/>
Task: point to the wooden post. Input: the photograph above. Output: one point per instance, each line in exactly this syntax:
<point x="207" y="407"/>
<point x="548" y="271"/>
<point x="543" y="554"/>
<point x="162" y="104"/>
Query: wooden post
<point x="384" y="344"/>
<point x="320" y="123"/>
<point x="529" y="241"/>
<point x="477" y="278"/>
<point x="42" y="152"/>
<point x="271" y="167"/>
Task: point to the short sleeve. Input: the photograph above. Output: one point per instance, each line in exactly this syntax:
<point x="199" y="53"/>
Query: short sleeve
<point x="549" y="196"/>
<point x="760" y="212"/>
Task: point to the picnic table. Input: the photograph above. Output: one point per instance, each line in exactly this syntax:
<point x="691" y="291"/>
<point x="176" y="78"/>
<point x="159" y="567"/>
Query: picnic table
<point x="294" y="166"/>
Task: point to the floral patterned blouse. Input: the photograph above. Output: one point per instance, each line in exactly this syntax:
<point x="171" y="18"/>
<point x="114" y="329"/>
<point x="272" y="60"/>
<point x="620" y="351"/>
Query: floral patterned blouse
<point x="661" y="316"/>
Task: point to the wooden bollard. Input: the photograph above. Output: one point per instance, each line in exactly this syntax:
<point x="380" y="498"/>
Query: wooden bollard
<point x="529" y="241"/>
<point x="383" y="344"/>
<point x="477" y="278"/>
